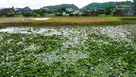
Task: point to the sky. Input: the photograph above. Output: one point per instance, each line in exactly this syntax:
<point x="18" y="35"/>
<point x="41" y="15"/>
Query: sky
<point x="35" y="4"/>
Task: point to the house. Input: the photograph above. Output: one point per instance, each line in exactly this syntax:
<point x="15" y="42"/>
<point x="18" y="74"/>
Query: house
<point x="48" y="8"/>
<point x="99" y="10"/>
<point x="84" y="11"/>
<point x="45" y="8"/>
<point x="72" y="11"/>
<point x="18" y="11"/>
<point x="27" y="10"/>
<point x="76" y="12"/>
<point x="4" y="11"/>
<point x="69" y="9"/>
<point x="125" y="10"/>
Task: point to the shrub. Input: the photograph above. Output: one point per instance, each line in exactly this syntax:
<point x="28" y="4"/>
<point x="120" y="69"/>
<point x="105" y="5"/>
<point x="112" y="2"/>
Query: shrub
<point x="58" y="14"/>
<point x="87" y="14"/>
<point x="1" y="15"/>
<point x="41" y="14"/>
<point x="71" y="14"/>
<point x="76" y="14"/>
<point x="9" y="15"/>
<point x="27" y="15"/>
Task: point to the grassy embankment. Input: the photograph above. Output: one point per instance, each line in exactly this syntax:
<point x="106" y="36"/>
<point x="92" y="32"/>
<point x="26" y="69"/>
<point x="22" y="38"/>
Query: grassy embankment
<point x="66" y="21"/>
<point x="69" y="21"/>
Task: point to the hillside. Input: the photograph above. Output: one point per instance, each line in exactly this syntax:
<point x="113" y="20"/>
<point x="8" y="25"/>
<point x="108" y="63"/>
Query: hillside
<point x="55" y="7"/>
<point x="105" y="5"/>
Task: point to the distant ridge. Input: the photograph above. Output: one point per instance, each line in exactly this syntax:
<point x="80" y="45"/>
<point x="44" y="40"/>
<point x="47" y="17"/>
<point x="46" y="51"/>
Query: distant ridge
<point x="55" y="7"/>
<point x="105" y="5"/>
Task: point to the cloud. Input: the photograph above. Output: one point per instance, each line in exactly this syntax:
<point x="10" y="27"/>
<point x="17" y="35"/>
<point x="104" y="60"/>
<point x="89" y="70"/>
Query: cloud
<point x="40" y="3"/>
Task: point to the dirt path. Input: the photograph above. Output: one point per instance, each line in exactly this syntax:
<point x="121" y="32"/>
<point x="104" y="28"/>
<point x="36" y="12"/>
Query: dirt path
<point x="10" y="19"/>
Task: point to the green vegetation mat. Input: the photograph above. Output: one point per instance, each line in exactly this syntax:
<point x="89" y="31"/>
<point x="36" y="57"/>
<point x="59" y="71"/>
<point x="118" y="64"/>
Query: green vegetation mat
<point x="66" y="51"/>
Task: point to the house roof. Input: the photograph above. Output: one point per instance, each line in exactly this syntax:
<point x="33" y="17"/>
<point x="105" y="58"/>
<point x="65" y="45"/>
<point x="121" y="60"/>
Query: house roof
<point x="99" y="9"/>
<point x="4" y="8"/>
<point x="125" y="6"/>
<point x="26" y="8"/>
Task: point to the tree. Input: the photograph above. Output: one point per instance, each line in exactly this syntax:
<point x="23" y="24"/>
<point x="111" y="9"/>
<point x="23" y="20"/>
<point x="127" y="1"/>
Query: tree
<point x="61" y="10"/>
<point x="134" y="6"/>
<point x="42" y="12"/>
<point x="93" y="12"/>
<point x="116" y="13"/>
<point x="108" y="11"/>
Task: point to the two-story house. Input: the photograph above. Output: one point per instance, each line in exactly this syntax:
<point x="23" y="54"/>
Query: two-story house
<point x="4" y="11"/>
<point x="25" y="10"/>
<point x="125" y="10"/>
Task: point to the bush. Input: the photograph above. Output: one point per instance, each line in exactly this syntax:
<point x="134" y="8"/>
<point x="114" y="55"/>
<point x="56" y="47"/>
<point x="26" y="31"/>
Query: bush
<point x="27" y="15"/>
<point x="41" y="14"/>
<point x="87" y="14"/>
<point x="108" y="12"/>
<point x="9" y="15"/>
<point x="71" y="14"/>
<point x="1" y="15"/>
<point x="76" y="14"/>
<point x="58" y="14"/>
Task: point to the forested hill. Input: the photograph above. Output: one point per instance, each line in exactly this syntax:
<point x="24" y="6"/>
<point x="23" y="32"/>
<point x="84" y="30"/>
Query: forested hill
<point x="55" y="7"/>
<point x="105" y="5"/>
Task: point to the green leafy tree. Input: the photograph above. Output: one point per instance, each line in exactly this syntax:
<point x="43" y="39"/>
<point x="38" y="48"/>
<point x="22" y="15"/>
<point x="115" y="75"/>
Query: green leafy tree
<point x="126" y="3"/>
<point x="28" y="15"/>
<point x="61" y="10"/>
<point x="48" y="11"/>
<point x="92" y="12"/>
<point x="41" y="12"/>
<point x="134" y="6"/>
<point x="108" y="11"/>
<point x="105" y="5"/>
<point x="116" y="13"/>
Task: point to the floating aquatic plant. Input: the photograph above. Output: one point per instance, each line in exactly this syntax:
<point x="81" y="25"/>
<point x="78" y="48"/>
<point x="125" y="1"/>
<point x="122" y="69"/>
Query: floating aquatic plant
<point x="79" y="51"/>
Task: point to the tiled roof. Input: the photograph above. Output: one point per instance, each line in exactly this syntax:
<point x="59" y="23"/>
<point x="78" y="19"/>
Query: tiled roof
<point x="124" y="5"/>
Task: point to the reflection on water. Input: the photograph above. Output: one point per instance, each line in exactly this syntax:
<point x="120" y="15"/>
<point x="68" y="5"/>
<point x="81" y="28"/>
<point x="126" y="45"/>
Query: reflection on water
<point x="36" y="18"/>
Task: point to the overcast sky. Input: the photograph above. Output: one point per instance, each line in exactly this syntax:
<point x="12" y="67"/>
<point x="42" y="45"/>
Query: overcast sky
<point x="35" y="4"/>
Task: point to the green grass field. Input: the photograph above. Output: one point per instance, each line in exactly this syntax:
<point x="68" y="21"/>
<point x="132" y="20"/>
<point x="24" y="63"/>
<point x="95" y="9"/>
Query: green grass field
<point x="74" y="19"/>
<point x="67" y="21"/>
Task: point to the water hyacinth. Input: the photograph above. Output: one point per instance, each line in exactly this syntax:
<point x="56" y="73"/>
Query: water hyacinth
<point x="68" y="51"/>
